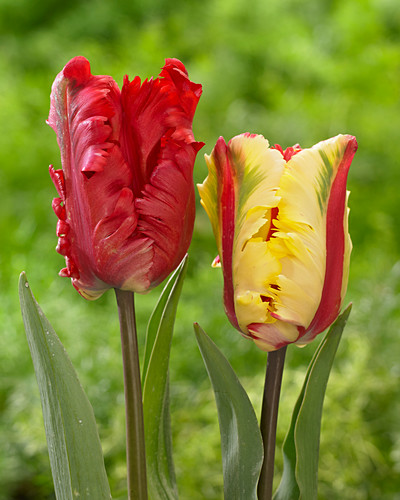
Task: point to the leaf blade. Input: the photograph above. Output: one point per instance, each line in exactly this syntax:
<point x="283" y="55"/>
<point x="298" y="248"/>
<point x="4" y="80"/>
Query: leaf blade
<point x="75" y="452"/>
<point x="160" y="467"/>
<point x="300" y="475"/>
<point x="241" y="442"/>
<point x="308" y="427"/>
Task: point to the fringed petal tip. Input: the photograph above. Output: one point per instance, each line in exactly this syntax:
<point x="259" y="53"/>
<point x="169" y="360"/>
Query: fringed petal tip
<point x="248" y="135"/>
<point x="57" y="176"/>
<point x="173" y="63"/>
<point x="59" y="208"/>
<point x="187" y="91"/>
<point x="197" y="145"/>
<point x="216" y="262"/>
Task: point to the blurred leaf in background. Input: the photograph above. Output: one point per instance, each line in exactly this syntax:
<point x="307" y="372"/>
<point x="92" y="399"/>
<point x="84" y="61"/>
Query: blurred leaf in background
<point x="291" y="70"/>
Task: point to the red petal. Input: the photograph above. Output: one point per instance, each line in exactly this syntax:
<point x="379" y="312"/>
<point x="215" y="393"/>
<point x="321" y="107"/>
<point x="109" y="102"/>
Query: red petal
<point x="85" y="113"/>
<point x="62" y="228"/>
<point x="189" y="93"/>
<point x="227" y="214"/>
<point x="58" y="208"/>
<point x="269" y="334"/>
<point x="167" y="208"/>
<point x="289" y="152"/>
<point x="78" y="70"/>
<point x="330" y="304"/>
<point x="159" y="146"/>
<point x="57" y="177"/>
<point x="153" y="110"/>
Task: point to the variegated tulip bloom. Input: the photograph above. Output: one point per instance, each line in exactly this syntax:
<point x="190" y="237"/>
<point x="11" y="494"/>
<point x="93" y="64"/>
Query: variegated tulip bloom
<point x="126" y="202"/>
<point x="280" y="220"/>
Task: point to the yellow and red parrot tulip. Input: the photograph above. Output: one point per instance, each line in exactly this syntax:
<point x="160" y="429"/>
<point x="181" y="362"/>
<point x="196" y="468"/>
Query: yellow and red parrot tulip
<point x="280" y="220"/>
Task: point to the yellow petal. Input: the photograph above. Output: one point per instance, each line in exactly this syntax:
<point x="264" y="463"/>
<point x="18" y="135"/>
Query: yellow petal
<point x="304" y="192"/>
<point x="209" y="198"/>
<point x="258" y="170"/>
<point x="253" y="274"/>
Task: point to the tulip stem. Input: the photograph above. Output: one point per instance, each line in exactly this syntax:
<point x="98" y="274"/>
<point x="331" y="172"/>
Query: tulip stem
<point x="135" y="448"/>
<point x="269" y="417"/>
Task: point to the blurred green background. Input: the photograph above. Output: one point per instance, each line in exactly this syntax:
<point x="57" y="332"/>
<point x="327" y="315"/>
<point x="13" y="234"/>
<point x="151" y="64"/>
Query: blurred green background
<point x="292" y="70"/>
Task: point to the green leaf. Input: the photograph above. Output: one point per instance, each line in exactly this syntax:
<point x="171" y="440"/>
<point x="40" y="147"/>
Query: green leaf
<point x="155" y="320"/>
<point x="160" y="467"/>
<point x="301" y="446"/>
<point x="75" y="452"/>
<point x="241" y="442"/>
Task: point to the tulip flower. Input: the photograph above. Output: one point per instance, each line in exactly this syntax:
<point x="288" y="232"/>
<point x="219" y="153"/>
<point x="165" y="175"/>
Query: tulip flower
<point x="280" y="220"/>
<point x="126" y="201"/>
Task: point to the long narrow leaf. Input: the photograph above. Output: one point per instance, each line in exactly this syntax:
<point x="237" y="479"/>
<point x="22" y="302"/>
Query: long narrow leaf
<point x="75" y="452"/>
<point x="241" y="443"/>
<point x="301" y="446"/>
<point x="160" y="467"/>
<point x="155" y="320"/>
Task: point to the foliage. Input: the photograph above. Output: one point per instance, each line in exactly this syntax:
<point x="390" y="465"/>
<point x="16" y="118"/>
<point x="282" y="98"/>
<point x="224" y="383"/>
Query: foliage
<point x="76" y="457"/>
<point x="292" y="70"/>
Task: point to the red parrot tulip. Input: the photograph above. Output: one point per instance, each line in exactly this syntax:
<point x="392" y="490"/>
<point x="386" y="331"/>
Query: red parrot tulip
<point x="280" y="222"/>
<point x="126" y="201"/>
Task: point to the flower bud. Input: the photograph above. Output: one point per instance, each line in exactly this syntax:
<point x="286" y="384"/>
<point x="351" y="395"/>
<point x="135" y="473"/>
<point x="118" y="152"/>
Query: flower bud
<point x="126" y="195"/>
<point x="280" y="219"/>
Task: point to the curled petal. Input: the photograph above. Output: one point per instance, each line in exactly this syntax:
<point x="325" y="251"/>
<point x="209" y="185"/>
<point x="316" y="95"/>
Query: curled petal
<point x="62" y="228"/>
<point x="57" y="177"/>
<point x="167" y="208"/>
<point x="338" y="245"/>
<point x="63" y="246"/>
<point x="85" y="114"/>
<point x="59" y="208"/>
<point x="188" y="94"/>
<point x="218" y="196"/>
<point x="242" y="180"/>
<point x="313" y="180"/>
<point x="156" y="110"/>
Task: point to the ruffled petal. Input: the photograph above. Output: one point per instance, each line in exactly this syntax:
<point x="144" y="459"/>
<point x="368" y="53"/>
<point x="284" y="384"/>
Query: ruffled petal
<point x="85" y="113"/>
<point x="238" y="194"/>
<point x="306" y="189"/>
<point x="167" y="208"/>
<point x="259" y="170"/>
<point x="338" y="242"/>
<point x="153" y="111"/>
<point x="158" y="144"/>
<point x="218" y="196"/>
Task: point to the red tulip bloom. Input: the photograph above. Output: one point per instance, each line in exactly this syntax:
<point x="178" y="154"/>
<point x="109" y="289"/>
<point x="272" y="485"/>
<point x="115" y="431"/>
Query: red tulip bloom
<point x="126" y="207"/>
<point x="280" y="222"/>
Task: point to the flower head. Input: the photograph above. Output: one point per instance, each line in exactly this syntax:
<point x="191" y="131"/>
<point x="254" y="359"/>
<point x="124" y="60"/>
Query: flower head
<point x="280" y="223"/>
<point x="126" y="198"/>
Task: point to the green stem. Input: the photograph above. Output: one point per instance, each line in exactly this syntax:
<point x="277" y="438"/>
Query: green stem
<point x="269" y="417"/>
<point x="135" y="448"/>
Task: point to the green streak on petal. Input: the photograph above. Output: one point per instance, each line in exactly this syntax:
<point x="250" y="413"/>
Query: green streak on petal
<point x="254" y="176"/>
<point x="324" y="181"/>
